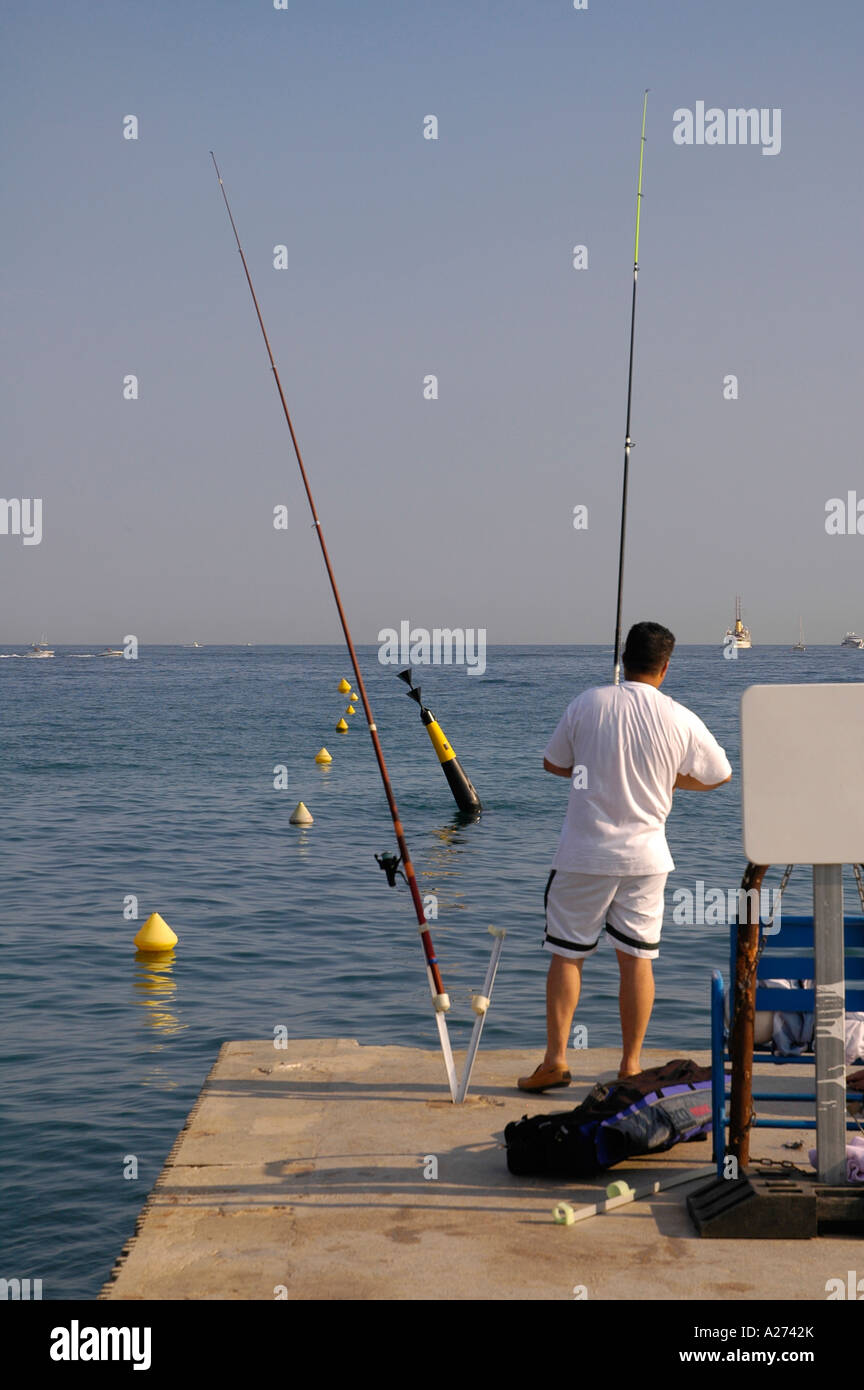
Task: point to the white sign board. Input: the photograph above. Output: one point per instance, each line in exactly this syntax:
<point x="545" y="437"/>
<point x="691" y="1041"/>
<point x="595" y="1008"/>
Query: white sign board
<point x="802" y="773"/>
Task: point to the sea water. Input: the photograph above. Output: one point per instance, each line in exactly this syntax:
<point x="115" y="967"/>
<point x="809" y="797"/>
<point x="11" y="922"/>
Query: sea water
<point x="156" y="785"/>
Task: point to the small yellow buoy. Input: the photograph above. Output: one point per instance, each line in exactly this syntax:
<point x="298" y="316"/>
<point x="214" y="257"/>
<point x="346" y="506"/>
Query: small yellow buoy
<point x="155" y="935"/>
<point x="300" y="815"/>
<point x="350" y="710"/>
<point x="322" y="756"/>
<point x="341" y="727"/>
<point x="354" y="695"/>
<point x="344" y="687"/>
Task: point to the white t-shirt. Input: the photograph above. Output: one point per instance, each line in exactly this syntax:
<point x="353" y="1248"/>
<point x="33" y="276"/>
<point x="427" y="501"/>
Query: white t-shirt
<point x="632" y="742"/>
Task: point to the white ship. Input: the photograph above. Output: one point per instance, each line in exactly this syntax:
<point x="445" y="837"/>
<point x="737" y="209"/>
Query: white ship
<point x="852" y="640"/>
<point x="799" y="645"/>
<point x="739" y="631"/>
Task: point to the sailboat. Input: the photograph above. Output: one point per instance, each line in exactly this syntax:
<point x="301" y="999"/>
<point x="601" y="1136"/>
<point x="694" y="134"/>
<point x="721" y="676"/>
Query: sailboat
<point x="39" y="648"/>
<point x="799" y="645"/>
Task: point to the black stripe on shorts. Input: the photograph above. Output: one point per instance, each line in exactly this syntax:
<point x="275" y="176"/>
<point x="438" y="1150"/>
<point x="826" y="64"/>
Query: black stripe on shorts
<point x="568" y="945"/>
<point x="631" y="940"/>
<point x="548" y="886"/>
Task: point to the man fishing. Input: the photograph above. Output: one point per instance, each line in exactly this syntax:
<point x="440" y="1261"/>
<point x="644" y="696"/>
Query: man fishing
<point x="626" y="748"/>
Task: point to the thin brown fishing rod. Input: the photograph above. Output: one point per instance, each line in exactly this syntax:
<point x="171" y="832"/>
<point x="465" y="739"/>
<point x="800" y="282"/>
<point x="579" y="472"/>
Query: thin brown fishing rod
<point x="408" y="867"/>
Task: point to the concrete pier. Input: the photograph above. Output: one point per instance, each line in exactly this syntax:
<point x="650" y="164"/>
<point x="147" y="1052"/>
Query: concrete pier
<point x="308" y="1172"/>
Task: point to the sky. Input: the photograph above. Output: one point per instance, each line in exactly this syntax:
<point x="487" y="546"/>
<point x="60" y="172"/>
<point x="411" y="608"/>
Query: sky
<point x="409" y="257"/>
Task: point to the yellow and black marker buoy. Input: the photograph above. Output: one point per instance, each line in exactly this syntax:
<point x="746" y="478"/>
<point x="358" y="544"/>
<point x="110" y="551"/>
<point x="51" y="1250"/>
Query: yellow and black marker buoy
<point x="460" y="783"/>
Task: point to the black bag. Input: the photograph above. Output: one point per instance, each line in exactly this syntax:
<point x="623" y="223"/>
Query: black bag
<point x="647" y="1113"/>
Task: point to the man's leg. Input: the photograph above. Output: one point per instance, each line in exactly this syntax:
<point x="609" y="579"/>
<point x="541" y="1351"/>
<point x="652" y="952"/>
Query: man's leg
<point x="576" y="906"/>
<point x="635" y="1002"/>
<point x="563" y="985"/>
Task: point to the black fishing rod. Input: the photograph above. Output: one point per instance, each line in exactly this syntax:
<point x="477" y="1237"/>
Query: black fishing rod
<point x="439" y="996"/>
<point x="627" y="439"/>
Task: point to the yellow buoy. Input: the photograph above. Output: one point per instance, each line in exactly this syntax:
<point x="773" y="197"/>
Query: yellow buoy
<point x="350" y="710"/>
<point x="354" y="695"/>
<point x="300" y="815"/>
<point x="322" y="756"/>
<point x="344" y="687"/>
<point x="341" y="727"/>
<point x="155" y="935"/>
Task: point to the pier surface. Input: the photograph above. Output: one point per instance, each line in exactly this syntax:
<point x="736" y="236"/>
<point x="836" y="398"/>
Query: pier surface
<point x="300" y="1174"/>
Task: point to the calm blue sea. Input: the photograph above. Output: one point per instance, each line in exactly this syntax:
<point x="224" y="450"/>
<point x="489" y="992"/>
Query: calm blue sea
<point x="155" y="778"/>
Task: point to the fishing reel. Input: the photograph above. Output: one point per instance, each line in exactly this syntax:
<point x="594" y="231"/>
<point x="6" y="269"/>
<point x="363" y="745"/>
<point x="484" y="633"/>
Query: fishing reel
<point x="390" y="864"/>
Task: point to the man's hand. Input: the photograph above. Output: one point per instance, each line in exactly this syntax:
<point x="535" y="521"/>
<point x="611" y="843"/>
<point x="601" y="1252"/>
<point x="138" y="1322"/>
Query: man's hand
<point x="556" y="771"/>
<point x="684" y="782"/>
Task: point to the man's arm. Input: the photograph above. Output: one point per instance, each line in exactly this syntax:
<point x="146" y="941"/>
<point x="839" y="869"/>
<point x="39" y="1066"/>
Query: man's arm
<point x="684" y="782"/>
<point x="556" y="771"/>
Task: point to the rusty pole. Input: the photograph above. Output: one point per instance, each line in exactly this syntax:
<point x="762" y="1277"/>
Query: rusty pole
<point x="743" y="1014"/>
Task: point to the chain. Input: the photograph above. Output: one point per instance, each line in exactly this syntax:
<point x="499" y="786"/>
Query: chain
<point x="787" y="874"/>
<point x="785" y="1163"/>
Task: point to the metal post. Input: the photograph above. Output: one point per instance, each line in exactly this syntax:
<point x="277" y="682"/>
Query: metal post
<point x="830" y="1029"/>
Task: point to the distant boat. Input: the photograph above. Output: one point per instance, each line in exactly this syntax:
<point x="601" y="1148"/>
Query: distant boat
<point x="39" y="648"/>
<point x="799" y="645"/>
<point x="113" y="651"/>
<point x="739" y="631"/>
<point x="852" y="640"/>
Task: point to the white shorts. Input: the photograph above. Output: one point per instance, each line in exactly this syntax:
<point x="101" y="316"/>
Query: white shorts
<point x="579" y="906"/>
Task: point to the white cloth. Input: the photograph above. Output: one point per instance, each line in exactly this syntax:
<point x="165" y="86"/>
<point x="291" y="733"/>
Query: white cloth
<point x="792" y="1033"/>
<point x="632" y="742"/>
<point x="580" y="906"/>
<point x="854" y="1038"/>
<point x="854" y="1158"/>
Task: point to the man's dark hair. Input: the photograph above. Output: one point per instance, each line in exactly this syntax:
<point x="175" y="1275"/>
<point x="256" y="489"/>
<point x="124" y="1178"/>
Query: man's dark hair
<point x="647" y="649"/>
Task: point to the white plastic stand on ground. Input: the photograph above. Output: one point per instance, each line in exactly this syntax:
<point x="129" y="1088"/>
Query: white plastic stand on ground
<point x="480" y="1004"/>
<point x="802" y="782"/>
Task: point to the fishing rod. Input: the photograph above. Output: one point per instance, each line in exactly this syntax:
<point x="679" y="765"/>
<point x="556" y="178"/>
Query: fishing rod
<point x="439" y="996"/>
<point x="627" y="439"/>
